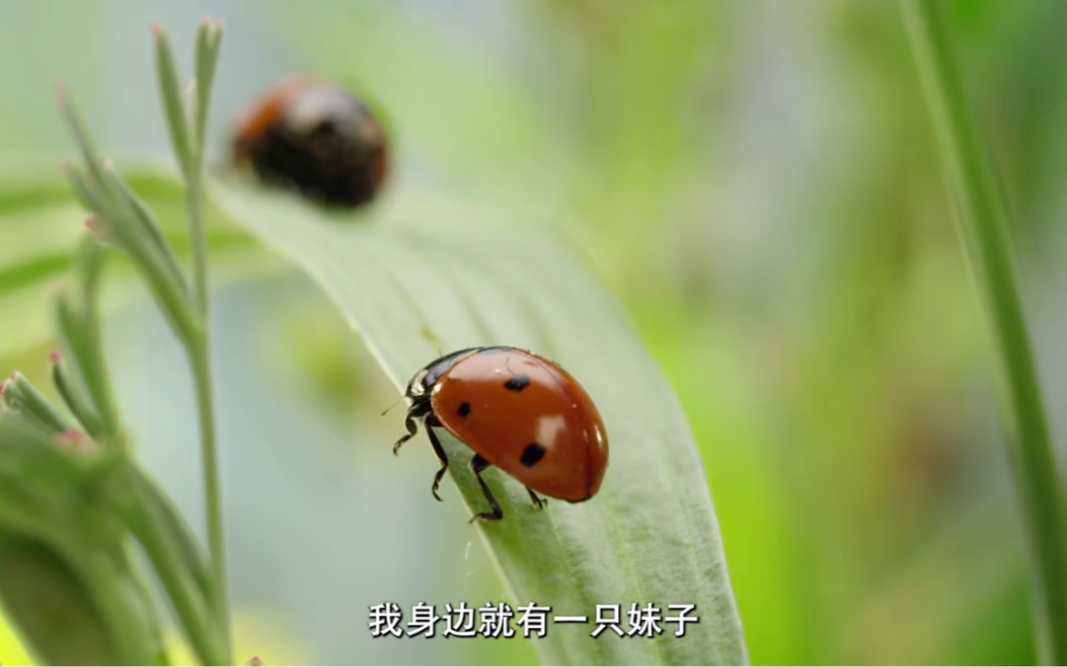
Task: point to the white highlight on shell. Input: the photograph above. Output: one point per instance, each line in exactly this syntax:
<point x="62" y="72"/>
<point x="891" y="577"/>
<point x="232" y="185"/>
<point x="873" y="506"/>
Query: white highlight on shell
<point x="549" y="429"/>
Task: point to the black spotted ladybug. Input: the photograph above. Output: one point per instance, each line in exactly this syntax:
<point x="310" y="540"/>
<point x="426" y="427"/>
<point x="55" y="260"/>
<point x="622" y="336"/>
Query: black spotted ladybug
<point x="315" y="138"/>
<point x="519" y="412"/>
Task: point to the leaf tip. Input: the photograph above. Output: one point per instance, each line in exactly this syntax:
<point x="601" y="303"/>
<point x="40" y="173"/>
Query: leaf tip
<point x="72" y="438"/>
<point x="96" y="226"/>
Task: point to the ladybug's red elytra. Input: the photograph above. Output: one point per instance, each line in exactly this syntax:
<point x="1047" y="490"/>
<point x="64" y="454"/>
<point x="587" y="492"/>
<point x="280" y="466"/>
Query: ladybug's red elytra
<point x="519" y="412"/>
<point x="315" y="138"/>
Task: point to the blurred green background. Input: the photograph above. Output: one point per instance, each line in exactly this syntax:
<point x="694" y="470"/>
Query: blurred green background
<point x="755" y="181"/>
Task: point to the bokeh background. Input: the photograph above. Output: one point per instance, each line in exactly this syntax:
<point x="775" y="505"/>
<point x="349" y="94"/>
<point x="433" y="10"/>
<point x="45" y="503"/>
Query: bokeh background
<point x="755" y="181"/>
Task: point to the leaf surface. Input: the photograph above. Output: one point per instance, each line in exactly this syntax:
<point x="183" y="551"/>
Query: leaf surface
<point x="414" y="291"/>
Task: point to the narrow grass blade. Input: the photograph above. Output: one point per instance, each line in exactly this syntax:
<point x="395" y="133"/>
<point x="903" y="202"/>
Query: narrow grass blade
<point x="984" y="224"/>
<point x="173" y="108"/>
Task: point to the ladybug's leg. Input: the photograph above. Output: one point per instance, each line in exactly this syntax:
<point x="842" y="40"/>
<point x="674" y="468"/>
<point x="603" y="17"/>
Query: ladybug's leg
<point x="414" y="412"/>
<point x="431" y="420"/>
<point x="413" y="428"/>
<point x="536" y="499"/>
<point x="478" y="464"/>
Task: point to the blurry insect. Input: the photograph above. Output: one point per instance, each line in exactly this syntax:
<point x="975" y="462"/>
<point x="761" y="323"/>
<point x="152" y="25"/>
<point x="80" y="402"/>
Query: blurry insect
<point x="519" y="412"/>
<point x="314" y="138"/>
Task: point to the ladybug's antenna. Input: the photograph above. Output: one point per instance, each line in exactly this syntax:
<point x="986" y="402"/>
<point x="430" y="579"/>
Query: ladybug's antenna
<point x="386" y="411"/>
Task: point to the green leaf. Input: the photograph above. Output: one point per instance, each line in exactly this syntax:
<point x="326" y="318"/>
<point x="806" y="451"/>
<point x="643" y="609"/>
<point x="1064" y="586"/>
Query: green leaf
<point x="19" y="394"/>
<point x="48" y="601"/>
<point x="208" y="42"/>
<point x="76" y="400"/>
<point x="650" y="535"/>
<point x="173" y="107"/>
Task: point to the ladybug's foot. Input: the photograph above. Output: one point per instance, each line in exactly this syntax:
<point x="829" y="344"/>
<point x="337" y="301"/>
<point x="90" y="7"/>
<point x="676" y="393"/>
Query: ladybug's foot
<point x="537" y="500"/>
<point x="478" y="464"/>
<point x="431" y="421"/>
<point x="412" y="427"/>
<point x="437" y="481"/>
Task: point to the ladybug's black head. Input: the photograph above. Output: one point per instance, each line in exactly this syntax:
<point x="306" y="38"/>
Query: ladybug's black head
<point x="418" y="388"/>
<point x="422" y="384"/>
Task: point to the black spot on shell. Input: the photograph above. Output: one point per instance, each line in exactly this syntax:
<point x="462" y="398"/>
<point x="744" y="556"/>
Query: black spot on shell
<point x="532" y="454"/>
<point x="517" y="383"/>
<point x="464" y="409"/>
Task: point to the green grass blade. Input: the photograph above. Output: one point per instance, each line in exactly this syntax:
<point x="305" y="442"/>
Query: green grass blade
<point x="170" y="88"/>
<point x="985" y="228"/>
<point x="75" y="399"/>
<point x="651" y="534"/>
<point x="19" y="394"/>
<point x="208" y="42"/>
<point x="85" y="144"/>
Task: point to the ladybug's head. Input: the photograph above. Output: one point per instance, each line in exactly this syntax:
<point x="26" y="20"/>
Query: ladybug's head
<point x="418" y="386"/>
<point x="421" y="386"/>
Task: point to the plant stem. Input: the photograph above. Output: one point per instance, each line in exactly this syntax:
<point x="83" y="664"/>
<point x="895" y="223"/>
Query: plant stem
<point x="984" y="221"/>
<point x="148" y="517"/>
<point x="200" y="359"/>
<point x="189" y="149"/>
<point x="196" y="218"/>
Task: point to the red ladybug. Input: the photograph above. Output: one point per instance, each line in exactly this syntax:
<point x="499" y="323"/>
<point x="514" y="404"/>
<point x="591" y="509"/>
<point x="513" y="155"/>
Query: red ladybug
<point x="519" y="412"/>
<point x="315" y="138"/>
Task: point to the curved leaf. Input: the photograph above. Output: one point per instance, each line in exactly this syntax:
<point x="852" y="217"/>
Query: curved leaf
<point x="650" y="536"/>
